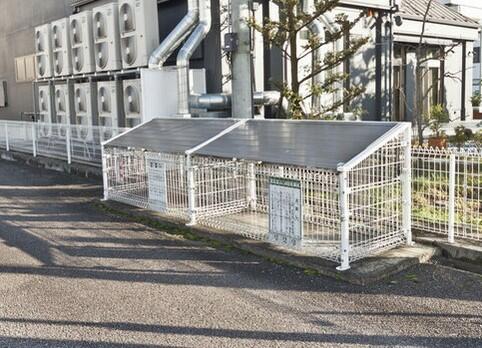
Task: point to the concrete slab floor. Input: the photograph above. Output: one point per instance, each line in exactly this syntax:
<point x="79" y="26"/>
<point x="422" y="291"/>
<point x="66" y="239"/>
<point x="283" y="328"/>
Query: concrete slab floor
<point x="73" y="276"/>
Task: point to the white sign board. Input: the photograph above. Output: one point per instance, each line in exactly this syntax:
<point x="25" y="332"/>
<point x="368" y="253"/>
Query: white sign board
<point x="156" y="173"/>
<point x="285" y="212"/>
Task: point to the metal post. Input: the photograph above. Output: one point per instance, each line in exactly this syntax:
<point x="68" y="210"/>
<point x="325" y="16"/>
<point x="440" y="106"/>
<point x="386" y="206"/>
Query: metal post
<point x="252" y="199"/>
<point x="34" y="139"/>
<point x="7" y="142"/>
<point x="407" y="187"/>
<point x="451" y="219"/>
<point x="105" y="178"/>
<point x="344" y="221"/>
<point x="68" y="145"/>
<point x="242" y="83"/>
<point x="191" y="187"/>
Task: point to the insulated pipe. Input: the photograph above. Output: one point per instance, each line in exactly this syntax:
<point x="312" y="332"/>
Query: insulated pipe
<point x="174" y="39"/>
<point x="224" y="101"/>
<point x="186" y="52"/>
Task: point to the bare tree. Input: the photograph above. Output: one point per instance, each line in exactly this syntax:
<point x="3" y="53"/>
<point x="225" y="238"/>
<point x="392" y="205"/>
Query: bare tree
<point x="285" y="34"/>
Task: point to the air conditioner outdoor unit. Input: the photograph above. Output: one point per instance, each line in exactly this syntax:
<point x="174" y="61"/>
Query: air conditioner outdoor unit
<point x="61" y="47"/>
<point x="64" y="108"/>
<point x="43" y="50"/>
<point x="139" y="30"/>
<point x="45" y="104"/>
<point x="85" y="109"/>
<point x="109" y="104"/>
<point x="132" y="102"/>
<point x="82" y="41"/>
<point x="106" y="37"/>
<point x="45" y="110"/>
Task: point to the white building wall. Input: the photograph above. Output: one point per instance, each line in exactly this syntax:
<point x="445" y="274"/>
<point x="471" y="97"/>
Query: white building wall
<point x="471" y="9"/>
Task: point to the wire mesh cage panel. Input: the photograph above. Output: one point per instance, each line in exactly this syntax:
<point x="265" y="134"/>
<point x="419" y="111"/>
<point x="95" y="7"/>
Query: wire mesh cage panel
<point x="376" y="201"/>
<point x="126" y="175"/>
<point x="447" y="192"/>
<point x="235" y="196"/>
<point x="148" y="180"/>
<point x="250" y="178"/>
<point x="167" y="184"/>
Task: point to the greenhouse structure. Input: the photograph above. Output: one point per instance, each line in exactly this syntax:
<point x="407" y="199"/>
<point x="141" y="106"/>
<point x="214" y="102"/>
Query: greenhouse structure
<point x="335" y="190"/>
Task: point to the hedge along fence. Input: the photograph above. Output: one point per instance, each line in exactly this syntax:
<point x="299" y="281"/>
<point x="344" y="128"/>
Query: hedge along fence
<point x="447" y="192"/>
<point x="336" y="190"/>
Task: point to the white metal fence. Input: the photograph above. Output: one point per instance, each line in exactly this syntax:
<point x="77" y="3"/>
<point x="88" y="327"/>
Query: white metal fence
<point x="345" y="215"/>
<point x="447" y="192"/>
<point x="72" y="143"/>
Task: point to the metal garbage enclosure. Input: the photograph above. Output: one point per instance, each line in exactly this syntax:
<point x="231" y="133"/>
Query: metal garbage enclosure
<point x="336" y="190"/>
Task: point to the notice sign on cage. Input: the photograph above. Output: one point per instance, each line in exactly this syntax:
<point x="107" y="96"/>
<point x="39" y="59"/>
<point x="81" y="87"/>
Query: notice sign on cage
<point x="156" y="173"/>
<point x="285" y="212"/>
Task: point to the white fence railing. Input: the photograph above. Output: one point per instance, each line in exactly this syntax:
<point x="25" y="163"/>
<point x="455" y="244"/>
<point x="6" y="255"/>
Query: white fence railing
<point x="72" y="143"/>
<point x="447" y="192"/>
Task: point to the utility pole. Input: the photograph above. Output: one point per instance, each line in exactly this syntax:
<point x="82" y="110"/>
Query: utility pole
<point x="242" y="69"/>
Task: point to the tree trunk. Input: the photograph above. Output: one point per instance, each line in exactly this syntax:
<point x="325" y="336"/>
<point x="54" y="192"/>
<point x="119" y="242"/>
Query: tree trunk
<point x="295" y="107"/>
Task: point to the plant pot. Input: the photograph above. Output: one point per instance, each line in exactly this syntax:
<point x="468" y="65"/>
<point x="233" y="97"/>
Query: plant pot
<point x="477" y="112"/>
<point x="438" y="142"/>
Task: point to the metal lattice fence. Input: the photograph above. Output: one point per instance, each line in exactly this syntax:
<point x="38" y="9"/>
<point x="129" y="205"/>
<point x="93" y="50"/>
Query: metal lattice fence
<point x="71" y="143"/>
<point x="447" y="192"/>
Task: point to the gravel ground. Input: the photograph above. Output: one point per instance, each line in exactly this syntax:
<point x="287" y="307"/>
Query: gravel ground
<point x="70" y="276"/>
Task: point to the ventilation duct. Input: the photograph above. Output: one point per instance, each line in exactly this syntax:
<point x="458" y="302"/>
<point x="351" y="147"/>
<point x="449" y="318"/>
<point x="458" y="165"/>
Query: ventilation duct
<point x="186" y="52"/>
<point x="174" y="39"/>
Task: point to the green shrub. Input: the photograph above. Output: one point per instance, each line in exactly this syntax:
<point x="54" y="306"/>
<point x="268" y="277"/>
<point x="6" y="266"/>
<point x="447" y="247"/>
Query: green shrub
<point x="476" y="99"/>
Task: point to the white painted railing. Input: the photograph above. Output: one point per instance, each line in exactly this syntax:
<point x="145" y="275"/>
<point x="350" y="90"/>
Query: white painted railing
<point x="447" y="192"/>
<point x="72" y="143"/>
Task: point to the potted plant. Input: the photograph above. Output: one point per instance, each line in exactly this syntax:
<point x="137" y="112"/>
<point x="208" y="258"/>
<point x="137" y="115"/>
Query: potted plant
<point x="476" y="101"/>
<point x="462" y="136"/>
<point x="438" y="116"/>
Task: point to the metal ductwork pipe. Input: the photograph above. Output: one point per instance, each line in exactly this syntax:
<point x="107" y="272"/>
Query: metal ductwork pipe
<point x="224" y="101"/>
<point x="186" y="52"/>
<point x="174" y="39"/>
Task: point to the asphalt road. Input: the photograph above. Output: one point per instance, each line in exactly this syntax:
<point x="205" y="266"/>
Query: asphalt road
<point x="70" y="276"/>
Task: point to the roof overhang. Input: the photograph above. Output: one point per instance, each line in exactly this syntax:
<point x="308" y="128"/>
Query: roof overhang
<point x="375" y="4"/>
<point x="413" y="28"/>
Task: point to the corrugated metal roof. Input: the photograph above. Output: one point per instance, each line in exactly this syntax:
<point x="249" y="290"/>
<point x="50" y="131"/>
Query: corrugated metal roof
<point x="171" y="135"/>
<point x="320" y="144"/>
<point x="438" y="13"/>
